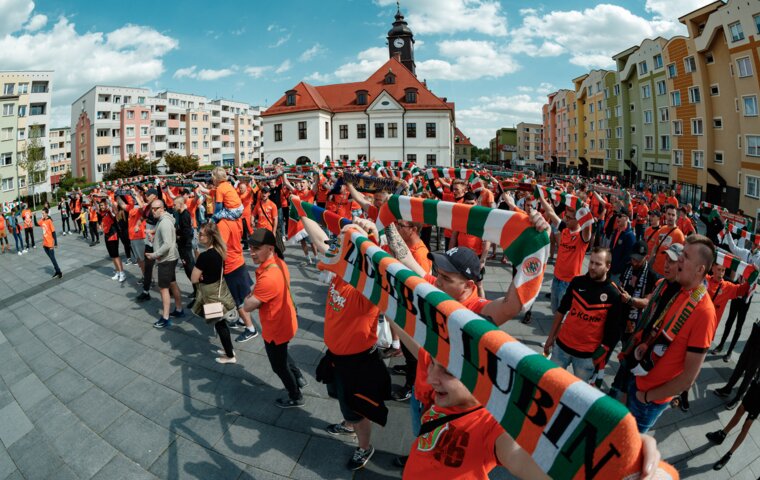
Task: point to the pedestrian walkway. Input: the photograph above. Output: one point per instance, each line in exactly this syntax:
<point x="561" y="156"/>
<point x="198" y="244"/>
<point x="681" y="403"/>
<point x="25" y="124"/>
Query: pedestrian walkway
<point x="88" y="389"/>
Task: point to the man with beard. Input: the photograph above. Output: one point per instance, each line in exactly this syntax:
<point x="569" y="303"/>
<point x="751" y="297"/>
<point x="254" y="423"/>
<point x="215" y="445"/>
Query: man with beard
<point x="585" y="326"/>
<point x="665" y="236"/>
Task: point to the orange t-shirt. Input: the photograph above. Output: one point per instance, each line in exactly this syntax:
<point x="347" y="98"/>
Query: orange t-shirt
<point x="685" y="225"/>
<point x="420" y="254"/>
<point x="47" y="232"/>
<point x="642" y="213"/>
<point x="570" y="255"/>
<point x="232" y="234"/>
<point x="247" y="199"/>
<point x="108" y="222"/>
<point x="226" y="194"/>
<point x="277" y="312"/>
<point x="695" y="335"/>
<point x="672" y="201"/>
<point x="135" y="219"/>
<point x="723" y="291"/>
<point x="93" y="213"/>
<point x="305" y="195"/>
<point x="462" y="449"/>
<point x="264" y="214"/>
<point x="2" y="223"/>
<point x="486" y="198"/>
<point x="662" y="198"/>
<point x="664" y="240"/>
<point x="322" y="191"/>
<point x="168" y="200"/>
<point x="350" y="320"/>
<point x="650" y="236"/>
<point x="470" y="241"/>
<point x="373" y="212"/>
<point x="26" y="214"/>
<point x="192" y="207"/>
<point x="339" y="203"/>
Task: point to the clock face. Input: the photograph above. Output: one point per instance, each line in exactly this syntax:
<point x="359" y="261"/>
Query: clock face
<point x="398" y="43"/>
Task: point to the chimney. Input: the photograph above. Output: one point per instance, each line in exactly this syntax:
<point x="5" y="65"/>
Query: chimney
<point x="397" y="56"/>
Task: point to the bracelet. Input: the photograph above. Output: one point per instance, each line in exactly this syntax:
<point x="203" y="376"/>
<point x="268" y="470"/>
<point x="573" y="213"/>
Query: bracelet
<point x="645" y="397"/>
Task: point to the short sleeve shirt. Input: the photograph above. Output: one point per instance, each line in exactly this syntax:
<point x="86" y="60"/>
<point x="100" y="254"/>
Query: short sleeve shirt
<point x="232" y="234"/>
<point x="350" y="320"/>
<point x="226" y="194"/>
<point x="572" y="251"/>
<point x="210" y="264"/>
<point x="665" y="237"/>
<point x="277" y="312"/>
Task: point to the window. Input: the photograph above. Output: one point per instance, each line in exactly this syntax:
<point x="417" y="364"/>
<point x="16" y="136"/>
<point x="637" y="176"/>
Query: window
<point x="745" y="67"/>
<point x="8" y="88"/>
<point x="643" y="68"/>
<point x="646" y="91"/>
<point x="591" y="126"/>
<point x="144" y="131"/>
<point x="675" y="99"/>
<point x="757" y="23"/>
<point x="591" y="108"/>
<point x="750" y="105"/>
<point x="361" y="130"/>
<point x="633" y="128"/>
<point x="696" y="126"/>
<point x="430" y="130"/>
<point x="411" y="157"/>
<point x="194" y="145"/>
<point x="618" y="110"/>
<point x="410" y="95"/>
<point x="592" y="145"/>
<point x="665" y="142"/>
<point x="144" y="115"/>
<point x="7" y="109"/>
<point x="616" y="89"/>
<point x="7" y="184"/>
<point x="6" y="133"/>
<point x="753" y="145"/>
<point x="661" y="87"/>
<point x="672" y="70"/>
<point x="343" y="131"/>
<point x="714" y="90"/>
<point x="690" y="64"/>
<point x="619" y="132"/>
<point x="694" y="95"/>
<point x="23" y="88"/>
<point x="753" y="186"/>
<point x="379" y="130"/>
<point x="647" y="117"/>
<point x="430" y="160"/>
<point x="664" y="114"/>
<point x="327" y="130"/>
<point x="103" y="150"/>
<point x="361" y="97"/>
<point x="130" y="132"/>
<point x="619" y="154"/>
<point x="277" y="132"/>
<point x="144" y="148"/>
<point x="718" y="123"/>
<point x="102" y="132"/>
<point x="709" y="58"/>
<point x="392" y="130"/>
<point x="719" y="157"/>
<point x="130" y="114"/>
<point x="411" y="130"/>
<point x="698" y="159"/>
<point x="657" y="61"/>
<point x="633" y="107"/>
<point x="130" y="148"/>
<point x="678" y="158"/>
<point x="737" y="33"/>
<point x="140" y="100"/>
<point x="290" y="98"/>
<point x="302" y="130"/>
<point x="6" y="159"/>
<point x="677" y="127"/>
<point x="648" y="142"/>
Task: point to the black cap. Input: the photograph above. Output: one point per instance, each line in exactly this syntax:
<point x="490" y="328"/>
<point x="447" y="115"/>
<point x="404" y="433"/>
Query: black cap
<point x="262" y="236"/>
<point x="151" y="191"/>
<point x="624" y="212"/>
<point x="640" y="250"/>
<point x="656" y="213"/>
<point x="266" y="189"/>
<point x="460" y="260"/>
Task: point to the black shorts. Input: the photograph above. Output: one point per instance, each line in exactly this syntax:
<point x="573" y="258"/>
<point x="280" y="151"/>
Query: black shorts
<point x="239" y="283"/>
<point x="361" y="365"/>
<point x="167" y="273"/>
<point x="113" y="248"/>
<point x="751" y="401"/>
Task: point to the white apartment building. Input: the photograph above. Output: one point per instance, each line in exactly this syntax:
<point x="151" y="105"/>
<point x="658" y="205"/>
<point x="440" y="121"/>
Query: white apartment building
<point x="60" y="154"/>
<point x="530" y="140"/>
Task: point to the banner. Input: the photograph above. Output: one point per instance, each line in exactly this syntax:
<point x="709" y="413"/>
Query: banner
<point x="368" y="184"/>
<point x="526" y="247"/>
<point x="571" y="429"/>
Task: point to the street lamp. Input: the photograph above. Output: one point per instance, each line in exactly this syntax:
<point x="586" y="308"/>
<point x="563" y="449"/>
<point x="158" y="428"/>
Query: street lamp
<point x="635" y="151"/>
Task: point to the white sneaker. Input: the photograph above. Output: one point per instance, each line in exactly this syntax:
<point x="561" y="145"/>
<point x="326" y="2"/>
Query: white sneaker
<point x="122" y="277"/>
<point x="26" y="250"/>
<point x="20" y="253"/>
<point x="115" y="276"/>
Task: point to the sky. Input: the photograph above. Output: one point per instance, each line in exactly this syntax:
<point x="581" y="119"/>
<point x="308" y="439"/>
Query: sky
<point x="497" y="60"/>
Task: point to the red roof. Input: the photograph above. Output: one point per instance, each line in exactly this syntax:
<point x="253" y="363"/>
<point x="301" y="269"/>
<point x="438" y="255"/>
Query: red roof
<point x="341" y="97"/>
<point x="463" y="140"/>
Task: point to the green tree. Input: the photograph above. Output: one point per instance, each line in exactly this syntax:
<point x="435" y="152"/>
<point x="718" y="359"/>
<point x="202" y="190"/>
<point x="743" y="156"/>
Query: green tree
<point x="180" y="163"/>
<point x="133" y="166"/>
<point x="34" y="163"/>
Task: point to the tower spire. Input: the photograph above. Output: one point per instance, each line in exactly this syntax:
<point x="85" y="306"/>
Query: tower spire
<point x="401" y="40"/>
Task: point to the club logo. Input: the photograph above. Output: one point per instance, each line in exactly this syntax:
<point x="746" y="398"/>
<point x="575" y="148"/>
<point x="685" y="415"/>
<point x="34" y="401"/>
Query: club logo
<point x="603" y="297"/>
<point x="531" y="266"/>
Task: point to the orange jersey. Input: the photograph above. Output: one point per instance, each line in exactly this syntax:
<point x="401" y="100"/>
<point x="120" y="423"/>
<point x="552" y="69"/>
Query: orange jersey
<point x="470" y="241"/>
<point x="570" y="255"/>
<point x="135" y="220"/>
<point x="265" y="214"/>
<point x="277" y="312"/>
<point x="664" y="238"/>
<point x="685" y="225"/>
<point x="227" y="195"/>
<point x="47" y="232"/>
<point x="723" y="291"/>
<point x="26" y="214"/>
<point x="350" y="320"/>
<point x="591" y="310"/>
<point x="247" y="199"/>
<point x="93" y="213"/>
<point x="232" y="234"/>
<point x="420" y="254"/>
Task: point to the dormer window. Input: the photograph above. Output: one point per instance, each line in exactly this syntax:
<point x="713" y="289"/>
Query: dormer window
<point x="290" y="98"/>
<point x="390" y="77"/>
<point x="361" y="97"/>
<point x="410" y="95"/>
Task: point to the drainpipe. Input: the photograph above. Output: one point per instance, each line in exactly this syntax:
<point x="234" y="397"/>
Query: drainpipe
<point x="369" y="138"/>
<point x="332" y="137"/>
<point x="403" y="136"/>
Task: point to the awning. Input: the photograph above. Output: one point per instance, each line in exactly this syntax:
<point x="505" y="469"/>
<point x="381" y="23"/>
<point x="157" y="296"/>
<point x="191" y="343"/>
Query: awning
<point x="717" y="176"/>
<point x="583" y="160"/>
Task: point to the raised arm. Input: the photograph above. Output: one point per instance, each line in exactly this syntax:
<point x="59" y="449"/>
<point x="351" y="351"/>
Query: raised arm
<point x="358" y="197"/>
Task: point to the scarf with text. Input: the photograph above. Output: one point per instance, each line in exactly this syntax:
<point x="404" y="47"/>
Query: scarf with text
<point x="369" y="184"/>
<point x="571" y="429"/>
<point x="527" y="248"/>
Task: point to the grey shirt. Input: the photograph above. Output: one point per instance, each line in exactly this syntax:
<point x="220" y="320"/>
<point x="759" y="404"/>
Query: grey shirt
<point x="165" y="239"/>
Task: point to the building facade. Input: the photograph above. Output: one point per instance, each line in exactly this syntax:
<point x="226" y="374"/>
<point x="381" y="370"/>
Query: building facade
<point x="530" y="139"/>
<point x="591" y="121"/>
<point x="112" y="123"/>
<point x="392" y="115"/>
<point x="560" y="135"/>
<point x="462" y="147"/>
<point x="504" y="147"/>
<point x="60" y="154"/>
<point x="26" y="103"/>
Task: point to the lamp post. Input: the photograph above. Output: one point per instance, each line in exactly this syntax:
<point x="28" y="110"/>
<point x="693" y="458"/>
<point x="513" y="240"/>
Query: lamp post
<point x="635" y="152"/>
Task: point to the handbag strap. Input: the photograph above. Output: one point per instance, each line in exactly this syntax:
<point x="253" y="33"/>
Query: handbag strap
<point x="221" y="279"/>
<point x="431" y="425"/>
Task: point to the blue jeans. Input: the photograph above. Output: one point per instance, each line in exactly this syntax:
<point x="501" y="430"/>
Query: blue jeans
<point x="19" y="241"/>
<point x="558" y="291"/>
<point x="583" y="368"/>
<point x="51" y="255"/>
<point x="646" y="414"/>
<point x="415" y="411"/>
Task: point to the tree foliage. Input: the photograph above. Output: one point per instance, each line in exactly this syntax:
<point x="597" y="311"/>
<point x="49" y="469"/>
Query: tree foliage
<point x="133" y="166"/>
<point x="482" y="155"/>
<point x="33" y="161"/>
<point x="177" y="163"/>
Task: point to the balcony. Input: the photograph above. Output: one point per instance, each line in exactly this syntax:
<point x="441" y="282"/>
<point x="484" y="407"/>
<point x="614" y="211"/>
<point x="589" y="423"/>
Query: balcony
<point x="160" y="146"/>
<point x="216" y="144"/>
<point x="160" y="131"/>
<point x="216" y="131"/>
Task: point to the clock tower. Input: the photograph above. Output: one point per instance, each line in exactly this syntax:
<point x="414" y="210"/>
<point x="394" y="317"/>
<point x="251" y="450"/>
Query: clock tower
<point x="401" y="41"/>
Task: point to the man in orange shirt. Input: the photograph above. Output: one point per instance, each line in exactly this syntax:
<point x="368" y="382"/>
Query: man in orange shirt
<point x="28" y="222"/>
<point x="650" y="236"/>
<point x="684" y="222"/>
<point x="47" y="241"/>
<point x="277" y="313"/>
<point x="136" y="227"/>
<point x="246" y="196"/>
<point x="667" y="235"/>
<point x="265" y="213"/>
<point x="640" y="219"/>
<point x="94" y="235"/>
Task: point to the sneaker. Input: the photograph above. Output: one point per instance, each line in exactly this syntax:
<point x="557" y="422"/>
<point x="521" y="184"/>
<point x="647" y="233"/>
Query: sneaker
<point x="20" y="253"/>
<point x="289" y="402"/>
<point x="403" y="394"/>
<point x="247" y="335"/>
<point x="716" y="350"/>
<point x="721" y="392"/>
<point x="360" y="458"/>
<point x="115" y="276"/>
<point x="122" y="277"/>
<point x="727" y="357"/>
<point x="26" y="250"/>
<point x="177" y="313"/>
<point x="716" y="437"/>
<point x="143" y="297"/>
<point x="722" y="462"/>
<point x="392" y="352"/>
<point x="226" y="359"/>
<point x="338" y="429"/>
<point x="163" y="323"/>
<point x="399" y="369"/>
<point x="527" y="318"/>
<point x="237" y="325"/>
<point x="58" y="275"/>
<point x="732" y="404"/>
<point x="302" y="382"/>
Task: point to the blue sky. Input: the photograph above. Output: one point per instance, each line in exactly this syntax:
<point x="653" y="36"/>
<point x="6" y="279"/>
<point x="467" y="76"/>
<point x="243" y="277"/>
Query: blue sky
<point x="496" y="59"/>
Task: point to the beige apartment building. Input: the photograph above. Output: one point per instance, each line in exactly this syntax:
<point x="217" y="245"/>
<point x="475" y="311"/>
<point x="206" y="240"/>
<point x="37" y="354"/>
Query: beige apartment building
<point x="530" y="139"/>
<point x="591" y="120"/>
<point x="60" y="154"/>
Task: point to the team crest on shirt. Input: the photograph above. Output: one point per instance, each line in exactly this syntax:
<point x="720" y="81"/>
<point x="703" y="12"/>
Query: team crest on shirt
<point x="427" y="442"/>
<point x="336" y="301"/>
<point x="531" y="266"/>
<point x="603" y="297"/>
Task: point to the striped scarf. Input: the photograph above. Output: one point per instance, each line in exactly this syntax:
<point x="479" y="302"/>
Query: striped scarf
<point x="325" y="218"/>
<point x="366" y="183"/>
<point x="582" y="212"/>
<point x="741" y="232"/>
<point x="527" y="248"/>
<point x="747" y="271"/>
<point x="571" y="429"/>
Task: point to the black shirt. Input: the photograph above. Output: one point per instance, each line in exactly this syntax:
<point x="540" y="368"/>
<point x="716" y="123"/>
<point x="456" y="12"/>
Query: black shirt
<point x="184" y="228"/>
<point x="631" y="315"/>
<point x="211" y="264"/>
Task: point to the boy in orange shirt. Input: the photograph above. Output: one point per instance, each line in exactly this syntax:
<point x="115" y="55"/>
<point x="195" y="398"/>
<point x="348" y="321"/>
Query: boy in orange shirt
<point x="48" y="243"/>
<point x="227" y="203"/>
<point x="26" y="216"/>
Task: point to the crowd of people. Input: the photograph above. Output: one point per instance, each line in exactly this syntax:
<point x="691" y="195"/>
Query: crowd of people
<point x="652" y="293"/>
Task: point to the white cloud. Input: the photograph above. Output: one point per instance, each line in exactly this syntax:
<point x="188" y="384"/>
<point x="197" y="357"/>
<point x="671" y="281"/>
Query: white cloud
<point x="280" y="41"/>
<point x="35" y="23"/>
<point x="489" y="113"/>
<point x="318" y="78"/>
<point x="467" y="60"/>
<point x="544" y="88"/>
<point x="315" y="50"/>
<point x="369" y="61"/>
<point x="238" y="32"/>
<point x="204" y="74"/>
<point x="672" y="9"/>
<point x="284" y="67"/>
<point x="451" y="16"/>
<point x="131" y="55"/>
<point x="257" y="72"/>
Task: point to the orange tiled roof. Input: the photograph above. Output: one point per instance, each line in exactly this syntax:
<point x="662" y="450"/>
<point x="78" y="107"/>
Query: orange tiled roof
<point x="463" y="140"/>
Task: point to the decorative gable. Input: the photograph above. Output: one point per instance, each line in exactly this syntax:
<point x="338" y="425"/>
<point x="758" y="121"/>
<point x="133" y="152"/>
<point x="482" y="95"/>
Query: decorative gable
<point x="385" y="102"/>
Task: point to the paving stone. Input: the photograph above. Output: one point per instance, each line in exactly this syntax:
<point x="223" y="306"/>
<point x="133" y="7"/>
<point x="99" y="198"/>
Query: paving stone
<point x="123" y="468"/>
<point x="52" y="417"/>
<point x="83" y="450"/>
<point x="324" y="458"/>
<point x="68" y="384"/>
<point x="154" y="365"/>
<point x="28" y="391"/>
<point x="7" y="467"/>
<point x="197" y="421"/>
<point x="97" y="409"/>
<point x="12" y="367"/>
<point x="138" y="438"/>
<point x="185" y="459"/>
<point x="35" y="457"/>
<point x="44" y="364"/>
<point x="15" y="424"/>
<point x="147" y="397"/>
<point x="62" y="343"/>
<point x="109" y="375"/>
